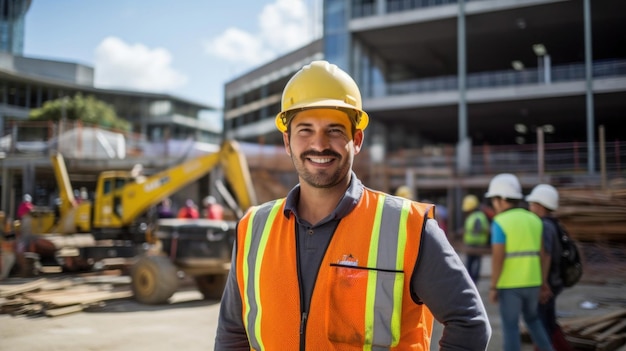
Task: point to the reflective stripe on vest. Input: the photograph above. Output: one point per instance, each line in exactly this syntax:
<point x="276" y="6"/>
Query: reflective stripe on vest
<point x="521" y="253"/>
<point x="382" y="321"/>
<point x="392" y="252"/>
<point x="254" y="249"/>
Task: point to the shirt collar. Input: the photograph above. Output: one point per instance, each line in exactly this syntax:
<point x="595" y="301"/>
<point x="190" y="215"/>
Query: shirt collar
<point x="347" y="203"/>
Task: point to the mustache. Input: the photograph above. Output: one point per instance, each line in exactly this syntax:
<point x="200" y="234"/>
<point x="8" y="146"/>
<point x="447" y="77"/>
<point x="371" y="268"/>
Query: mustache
<point x="312" y="153"/>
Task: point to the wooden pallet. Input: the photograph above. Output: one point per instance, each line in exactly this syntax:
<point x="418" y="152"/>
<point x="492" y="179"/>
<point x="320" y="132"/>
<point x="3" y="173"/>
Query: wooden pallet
<point x="55" y="297"/>
<point x="597" y="333"/>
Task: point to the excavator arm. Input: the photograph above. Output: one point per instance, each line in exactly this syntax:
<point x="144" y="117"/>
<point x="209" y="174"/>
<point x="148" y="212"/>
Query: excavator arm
<point x="66" y="194"/>
<point x="121" y="199"/>
<point x="237" y="175"/>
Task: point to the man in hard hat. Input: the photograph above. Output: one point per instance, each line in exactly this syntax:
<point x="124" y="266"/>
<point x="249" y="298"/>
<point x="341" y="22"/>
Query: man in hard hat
<point x="189" y="211"/>
<point x="475" y="235"/>
<point x="519" y="262"/>
<point x="335" y="265"/>
<point x="212" y="209"/>
<point x="543" y="200"/>
<point x="405" y="192"/>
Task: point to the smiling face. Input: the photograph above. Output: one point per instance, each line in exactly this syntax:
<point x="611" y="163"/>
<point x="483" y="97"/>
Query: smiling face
<point x="322" y="147"/>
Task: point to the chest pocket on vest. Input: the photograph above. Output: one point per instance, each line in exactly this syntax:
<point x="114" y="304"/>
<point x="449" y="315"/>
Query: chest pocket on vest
<point x="361" y="305"/>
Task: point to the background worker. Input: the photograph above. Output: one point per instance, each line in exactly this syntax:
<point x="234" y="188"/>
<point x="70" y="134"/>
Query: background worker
<point x="405" y="192"/>
<point x="164" y="210"/>
<point x="212" y="210"/>
<point x="475" y="235"/>
<point x="543" y="200"/>
<point x="25" y="207"/>
<point x="518" y="263"/>
<point x="189" y="211"/>
<point x="336" y="265"/>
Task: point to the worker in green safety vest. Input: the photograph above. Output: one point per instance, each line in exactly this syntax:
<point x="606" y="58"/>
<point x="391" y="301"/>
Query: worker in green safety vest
<point x="519" y="263"/>
<point x="475" y="235"/>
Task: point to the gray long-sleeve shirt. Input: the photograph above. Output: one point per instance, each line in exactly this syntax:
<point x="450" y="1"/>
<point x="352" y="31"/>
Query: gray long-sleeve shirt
<point x="440" y="281"/>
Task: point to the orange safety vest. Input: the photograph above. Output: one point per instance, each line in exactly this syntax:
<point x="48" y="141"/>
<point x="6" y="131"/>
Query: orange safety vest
<point x="362" y="296"/>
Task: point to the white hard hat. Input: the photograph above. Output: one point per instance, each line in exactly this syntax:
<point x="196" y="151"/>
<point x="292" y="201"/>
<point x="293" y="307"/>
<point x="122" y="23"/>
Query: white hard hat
<point x="505" y="185"/>
<point x="209" y="200"/>
<point x="28" y="198"/>
<point x="545" y="195"/>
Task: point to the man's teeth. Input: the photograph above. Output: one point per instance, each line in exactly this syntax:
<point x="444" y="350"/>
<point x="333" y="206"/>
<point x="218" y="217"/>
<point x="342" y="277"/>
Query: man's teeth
<point x="321" y="160"/>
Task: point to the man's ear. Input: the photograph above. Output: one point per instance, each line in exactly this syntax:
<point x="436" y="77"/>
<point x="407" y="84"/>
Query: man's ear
<point x="286" y="142"/>
<point x="358" y="140"/>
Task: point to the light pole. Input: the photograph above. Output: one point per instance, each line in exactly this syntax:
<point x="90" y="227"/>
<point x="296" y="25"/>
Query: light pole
<point x="543" y="63"/>
<point x="377" y="156"/>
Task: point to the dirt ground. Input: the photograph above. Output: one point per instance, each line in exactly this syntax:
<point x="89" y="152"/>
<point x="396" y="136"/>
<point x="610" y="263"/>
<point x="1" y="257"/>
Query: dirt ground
<point x="189" y="323"/>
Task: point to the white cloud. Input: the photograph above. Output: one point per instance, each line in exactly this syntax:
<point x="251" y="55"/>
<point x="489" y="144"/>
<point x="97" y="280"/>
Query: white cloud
<point x="239" y="46"/>
<point x="284" y="25"/>
<point x="138" y="67"/>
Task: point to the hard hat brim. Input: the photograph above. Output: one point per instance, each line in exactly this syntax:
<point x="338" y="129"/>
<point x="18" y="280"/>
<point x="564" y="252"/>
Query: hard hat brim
<point x="489" y="195"/>
<point x="542" y="202"/>
<point x="284" y="117"/>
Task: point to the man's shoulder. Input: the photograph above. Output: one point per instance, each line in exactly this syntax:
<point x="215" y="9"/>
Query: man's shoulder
<point x="270" y="203"/>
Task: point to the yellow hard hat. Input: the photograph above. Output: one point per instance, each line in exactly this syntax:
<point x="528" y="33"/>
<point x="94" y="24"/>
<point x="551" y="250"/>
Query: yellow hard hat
<point x="470" y="202"/>
<point x="321" y="85"/>
<point x="405" y="192"/>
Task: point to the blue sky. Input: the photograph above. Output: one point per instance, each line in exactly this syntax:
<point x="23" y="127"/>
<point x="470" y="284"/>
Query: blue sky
<point x="185" y="48"/>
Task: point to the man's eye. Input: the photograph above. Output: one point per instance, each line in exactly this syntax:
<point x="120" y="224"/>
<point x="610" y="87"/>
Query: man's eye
<point x="336" y="131"/>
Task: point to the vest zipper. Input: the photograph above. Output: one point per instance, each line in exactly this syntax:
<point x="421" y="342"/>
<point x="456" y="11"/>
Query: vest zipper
<point x="303" y="323"/>
<point x="303" y="309"/>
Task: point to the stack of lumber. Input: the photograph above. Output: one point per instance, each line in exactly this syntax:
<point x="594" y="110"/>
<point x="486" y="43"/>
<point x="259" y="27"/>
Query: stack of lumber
<point x="54" y="297"/>
<point x="598" y="333"/>
<point x="595" y="214"/>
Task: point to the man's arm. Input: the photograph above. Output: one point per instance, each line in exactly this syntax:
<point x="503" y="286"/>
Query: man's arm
<point x="441" y="281"/>
<point x="231" y="334"/>
<point x="498" y="253"/>
<point x="546" y="258"/>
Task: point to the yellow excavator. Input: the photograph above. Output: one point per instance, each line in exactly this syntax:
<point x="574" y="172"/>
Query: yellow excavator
<point x="116" y="224"/>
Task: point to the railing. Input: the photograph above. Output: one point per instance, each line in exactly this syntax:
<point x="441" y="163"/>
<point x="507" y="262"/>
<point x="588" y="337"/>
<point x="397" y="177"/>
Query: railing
<point x="369" y="9"/>
<point x="559" y="159"/>
<point x="561" y="73"/>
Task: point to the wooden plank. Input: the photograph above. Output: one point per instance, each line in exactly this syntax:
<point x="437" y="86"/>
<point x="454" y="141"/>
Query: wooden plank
<point x="11" y="290"/>
<point x="63" y="310"/>
<point x="612" y="344"/>
<point x="596" y="327"/>
<point x="57" y="285"/>
<point x="581" y="344"/>
<point x="582" y="324"/>
<point x="73" y="291"/>
<point x="28" y="309"/>
<point x="86" y="298"/>
<point x="617" y="327"/>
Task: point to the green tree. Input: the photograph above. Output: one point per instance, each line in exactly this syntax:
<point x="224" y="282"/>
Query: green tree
<point x="86" y="109"/>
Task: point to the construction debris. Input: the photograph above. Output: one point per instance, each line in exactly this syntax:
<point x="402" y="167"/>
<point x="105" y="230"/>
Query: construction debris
<point x="54" y="297"/>
<point x="596" y="219"/>
<point x="597" y="333"/>
<point x="595" y="214"/>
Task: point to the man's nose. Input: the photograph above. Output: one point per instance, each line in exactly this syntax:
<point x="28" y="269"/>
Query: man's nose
<point x="320" y="141"/>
